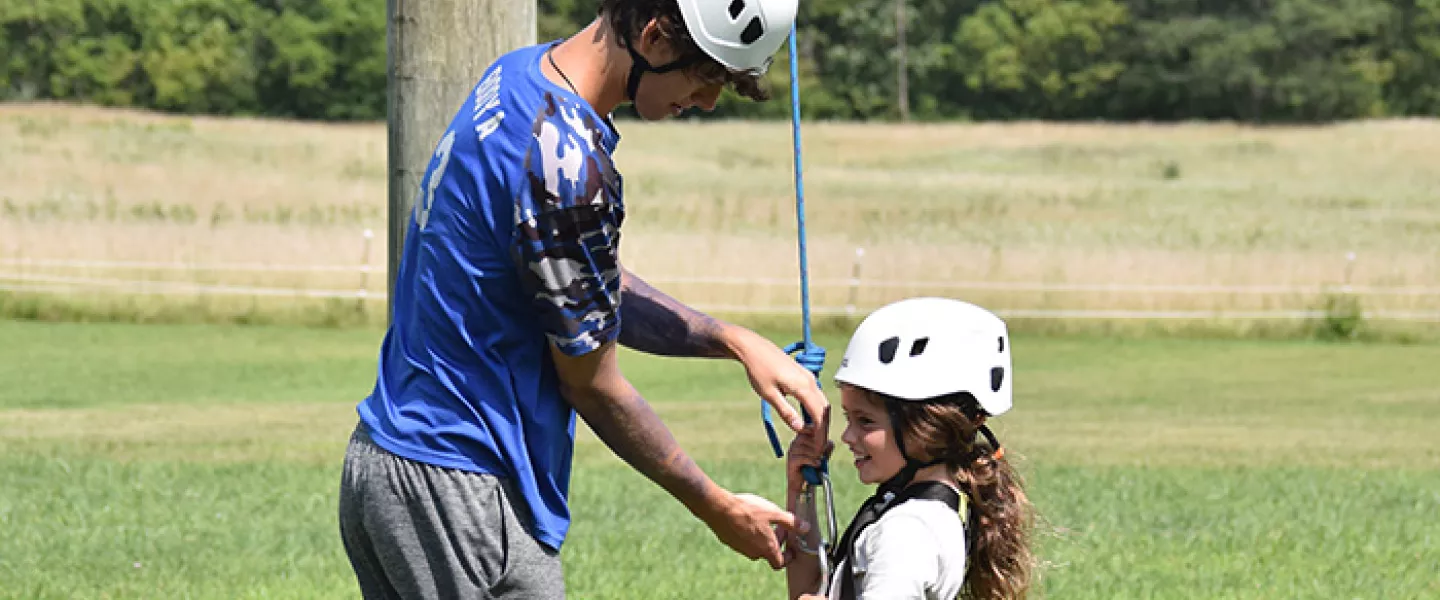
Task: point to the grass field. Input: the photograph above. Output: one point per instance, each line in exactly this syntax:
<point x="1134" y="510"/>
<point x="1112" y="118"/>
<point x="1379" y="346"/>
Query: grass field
<point x="997" y="204"/>
<point x="203" y="462"/>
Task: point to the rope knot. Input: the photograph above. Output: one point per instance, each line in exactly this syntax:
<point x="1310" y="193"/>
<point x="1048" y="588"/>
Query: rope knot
<point x="810" y="356"/>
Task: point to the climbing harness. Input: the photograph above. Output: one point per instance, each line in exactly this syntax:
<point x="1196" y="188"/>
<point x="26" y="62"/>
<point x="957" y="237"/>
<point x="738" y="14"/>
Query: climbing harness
<point x="886" y="498"/>
<point x="806" y="352"/>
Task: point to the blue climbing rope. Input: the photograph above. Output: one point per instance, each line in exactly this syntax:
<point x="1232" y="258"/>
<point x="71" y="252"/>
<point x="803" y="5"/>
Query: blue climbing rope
<point x="806" y="352"/>
<point x="800" y="198"/>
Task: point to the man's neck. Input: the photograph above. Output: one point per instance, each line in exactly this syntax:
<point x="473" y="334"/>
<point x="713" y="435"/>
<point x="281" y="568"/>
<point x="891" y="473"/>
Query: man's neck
<point x="595" y="63"/>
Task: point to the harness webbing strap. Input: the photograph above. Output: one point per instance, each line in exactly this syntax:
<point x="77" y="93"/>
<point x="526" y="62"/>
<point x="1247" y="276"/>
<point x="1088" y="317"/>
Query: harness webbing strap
<point x="870" y="513"/>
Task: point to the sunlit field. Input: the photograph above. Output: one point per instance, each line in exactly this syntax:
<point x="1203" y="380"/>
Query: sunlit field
<point x="169" y="461"/>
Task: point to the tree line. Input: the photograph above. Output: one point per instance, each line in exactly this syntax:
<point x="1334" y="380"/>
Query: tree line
<point x="1246" y="60"/>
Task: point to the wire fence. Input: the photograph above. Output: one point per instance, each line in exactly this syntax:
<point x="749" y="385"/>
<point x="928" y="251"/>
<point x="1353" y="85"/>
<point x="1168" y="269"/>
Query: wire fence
<point x="40" y="276"/>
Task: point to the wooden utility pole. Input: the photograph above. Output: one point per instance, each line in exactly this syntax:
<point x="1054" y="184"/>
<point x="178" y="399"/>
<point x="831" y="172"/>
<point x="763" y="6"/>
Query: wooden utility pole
<point x="902" y="72"/>
<point x="437" y="51"/>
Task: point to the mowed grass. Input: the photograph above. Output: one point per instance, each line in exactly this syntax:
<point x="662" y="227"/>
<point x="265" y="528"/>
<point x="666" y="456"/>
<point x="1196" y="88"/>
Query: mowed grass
<point x="203" y="462"/>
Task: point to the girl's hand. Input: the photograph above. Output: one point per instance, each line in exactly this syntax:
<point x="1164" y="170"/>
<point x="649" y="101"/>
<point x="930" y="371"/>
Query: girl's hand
<point x="802" y="454"/>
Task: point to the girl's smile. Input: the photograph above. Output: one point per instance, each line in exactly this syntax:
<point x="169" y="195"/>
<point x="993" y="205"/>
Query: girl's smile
<point x="869" y="437"/>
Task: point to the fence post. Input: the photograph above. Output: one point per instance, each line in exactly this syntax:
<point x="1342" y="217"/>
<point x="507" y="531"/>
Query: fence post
<point x="1349" y="269"/>
<point x="364" y="291"/>
<point x="854" y="283"/>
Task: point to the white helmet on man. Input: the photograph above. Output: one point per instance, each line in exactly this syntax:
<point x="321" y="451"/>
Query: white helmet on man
<point x="741" y="35"/>
<point x="925" y="348"/>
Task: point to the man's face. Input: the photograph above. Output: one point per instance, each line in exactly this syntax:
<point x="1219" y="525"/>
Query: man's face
<point x="663" y="95"/>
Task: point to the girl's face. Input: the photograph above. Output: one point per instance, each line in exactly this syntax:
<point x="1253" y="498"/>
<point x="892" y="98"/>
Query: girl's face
<point x="868" y="434"/>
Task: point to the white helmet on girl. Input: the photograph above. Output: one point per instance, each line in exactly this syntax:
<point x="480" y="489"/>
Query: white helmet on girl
<point x="742" y="35"/>
<point x="923" y="348"/>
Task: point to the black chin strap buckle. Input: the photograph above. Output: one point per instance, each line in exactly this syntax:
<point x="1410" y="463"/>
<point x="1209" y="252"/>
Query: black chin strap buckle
<point x="639" y="66"/>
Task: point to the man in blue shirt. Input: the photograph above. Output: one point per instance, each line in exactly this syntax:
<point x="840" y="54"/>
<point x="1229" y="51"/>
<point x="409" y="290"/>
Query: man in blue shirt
<point x="510" y="301"/>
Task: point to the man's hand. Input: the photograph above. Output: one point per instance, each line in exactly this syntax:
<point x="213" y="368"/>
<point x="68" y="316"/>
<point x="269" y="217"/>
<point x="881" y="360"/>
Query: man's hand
<point x="592" y="383"/>
<point x="747" y="524"/>
<point x="775" y="375"/>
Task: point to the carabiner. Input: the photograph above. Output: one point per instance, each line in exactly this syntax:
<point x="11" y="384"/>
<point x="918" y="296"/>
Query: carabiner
<point x="817" y="478"/>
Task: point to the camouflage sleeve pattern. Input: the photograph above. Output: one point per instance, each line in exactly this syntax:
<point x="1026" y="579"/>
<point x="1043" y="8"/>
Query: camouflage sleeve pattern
<point x="567" y="229"/>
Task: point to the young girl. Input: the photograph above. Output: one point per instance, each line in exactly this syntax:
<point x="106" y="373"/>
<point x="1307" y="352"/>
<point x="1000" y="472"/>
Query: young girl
<point x="950" y="518"/>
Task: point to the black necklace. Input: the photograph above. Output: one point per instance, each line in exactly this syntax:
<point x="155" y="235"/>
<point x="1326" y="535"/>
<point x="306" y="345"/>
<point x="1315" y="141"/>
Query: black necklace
<point x="550" y="55"/>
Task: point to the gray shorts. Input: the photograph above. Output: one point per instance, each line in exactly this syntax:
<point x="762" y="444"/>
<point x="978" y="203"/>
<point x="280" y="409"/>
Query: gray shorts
<point x="417" y="531"/>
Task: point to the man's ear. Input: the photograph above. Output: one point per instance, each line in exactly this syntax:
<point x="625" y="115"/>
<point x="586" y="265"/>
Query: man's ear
<point x="654" y="44"/>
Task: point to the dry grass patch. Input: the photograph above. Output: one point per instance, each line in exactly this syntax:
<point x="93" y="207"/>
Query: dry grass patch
<point x="931" y="205"/>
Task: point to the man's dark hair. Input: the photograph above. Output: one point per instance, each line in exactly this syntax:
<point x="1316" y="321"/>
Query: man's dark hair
<point x="629" y="17"/>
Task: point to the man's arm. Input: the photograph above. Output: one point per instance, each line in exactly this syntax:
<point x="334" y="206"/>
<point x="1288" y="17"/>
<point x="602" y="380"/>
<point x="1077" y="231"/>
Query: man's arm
<point x="593" y="384"/>
<point x="656" y="323"/>
<point x="565" y="250"/>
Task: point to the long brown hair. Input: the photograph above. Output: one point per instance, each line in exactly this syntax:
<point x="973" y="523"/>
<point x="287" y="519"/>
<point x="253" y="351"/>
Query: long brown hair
<point x="1001" y="561"/>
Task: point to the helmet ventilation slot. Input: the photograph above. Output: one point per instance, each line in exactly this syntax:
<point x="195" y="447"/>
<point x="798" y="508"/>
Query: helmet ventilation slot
<point x="736" y="7"/>
<point x="753" y="31"/>
<point x="888" y="348"/>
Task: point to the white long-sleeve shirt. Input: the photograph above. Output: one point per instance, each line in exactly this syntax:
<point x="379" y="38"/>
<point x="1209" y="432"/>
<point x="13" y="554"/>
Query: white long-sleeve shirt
<point x="916" y="550"/>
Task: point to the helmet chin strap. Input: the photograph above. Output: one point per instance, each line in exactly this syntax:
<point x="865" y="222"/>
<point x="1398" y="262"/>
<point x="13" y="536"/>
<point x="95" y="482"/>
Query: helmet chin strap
<point x="639" y="66"/>
<point x="912" y="466"/>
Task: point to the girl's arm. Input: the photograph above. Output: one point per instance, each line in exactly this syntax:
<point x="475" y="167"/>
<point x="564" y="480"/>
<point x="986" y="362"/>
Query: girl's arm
<point x="802" y="571"/>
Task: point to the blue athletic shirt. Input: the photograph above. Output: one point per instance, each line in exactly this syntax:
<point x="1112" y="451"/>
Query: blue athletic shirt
<point x="513" y="246"/>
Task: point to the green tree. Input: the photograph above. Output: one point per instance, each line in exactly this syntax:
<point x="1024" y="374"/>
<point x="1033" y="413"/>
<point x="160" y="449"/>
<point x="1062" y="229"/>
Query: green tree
<point x="96" y="61"/>
<point x="324" y="59"/>
<point x="1266" y="60"/>
<point x="199" y="54"/>
<point x="30" y="31"/>
<point x="1286" y="60"/>
<point x="1046" y="58"/>
<point x="1412" y="45"/>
